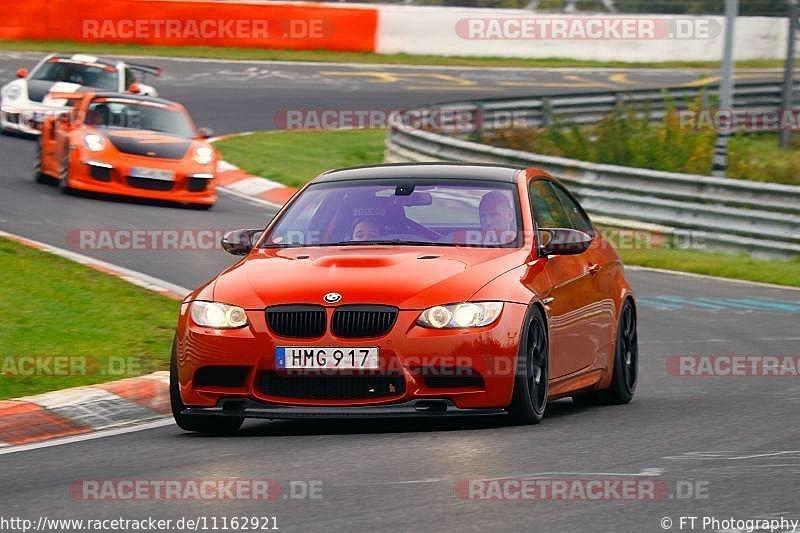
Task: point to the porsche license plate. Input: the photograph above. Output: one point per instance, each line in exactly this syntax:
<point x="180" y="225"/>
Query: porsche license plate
<point x="153" y="174"/>
<point x="298" y="357"/>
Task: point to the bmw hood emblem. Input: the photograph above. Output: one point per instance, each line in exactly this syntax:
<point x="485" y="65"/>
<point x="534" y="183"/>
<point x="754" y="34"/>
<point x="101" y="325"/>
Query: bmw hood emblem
<point x="332" y="297"/>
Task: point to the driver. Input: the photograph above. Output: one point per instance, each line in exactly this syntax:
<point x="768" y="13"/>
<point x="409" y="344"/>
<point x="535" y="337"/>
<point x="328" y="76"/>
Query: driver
<point x="366" y="229"/>
<point x="496" y="213"/>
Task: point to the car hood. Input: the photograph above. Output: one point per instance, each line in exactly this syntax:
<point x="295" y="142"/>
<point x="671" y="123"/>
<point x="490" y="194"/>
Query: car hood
<point x="148" y="143"/>
<point x="407" y="277"/>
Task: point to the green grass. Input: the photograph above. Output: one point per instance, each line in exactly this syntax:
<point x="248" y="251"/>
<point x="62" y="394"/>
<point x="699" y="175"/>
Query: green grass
<point x="295" y="157"/>
<point x="744" y="267"/>
<point x="212" y="52"/>
<point x="54" y="307"/>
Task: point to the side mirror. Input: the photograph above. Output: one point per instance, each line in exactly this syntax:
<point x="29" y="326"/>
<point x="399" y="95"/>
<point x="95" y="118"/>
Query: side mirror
<point x="562" y="241"/>
<point x="205" y="133"/>
<point x="22" y="73"/>
<point x="134" y="88"/>
<point x="240" y="241"/>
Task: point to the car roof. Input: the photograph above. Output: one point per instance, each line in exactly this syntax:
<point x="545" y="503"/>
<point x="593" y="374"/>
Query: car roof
<point x="136" y="97"/>
<point x="454" y="171"/>
<point x="84" y="58"/>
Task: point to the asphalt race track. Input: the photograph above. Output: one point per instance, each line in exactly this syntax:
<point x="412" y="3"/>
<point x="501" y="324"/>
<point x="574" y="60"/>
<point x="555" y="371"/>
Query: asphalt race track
<point x="732" y="439"/>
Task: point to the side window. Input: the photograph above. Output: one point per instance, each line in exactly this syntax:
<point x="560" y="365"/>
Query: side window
<point x="130" y="78"/>
<point x="578" y="218"/>
<point x="548" y="211"/>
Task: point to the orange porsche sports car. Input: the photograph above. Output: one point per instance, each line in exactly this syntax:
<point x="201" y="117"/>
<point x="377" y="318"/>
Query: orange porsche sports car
<point x="409" y="290"/>
<point x="128" y="145"/>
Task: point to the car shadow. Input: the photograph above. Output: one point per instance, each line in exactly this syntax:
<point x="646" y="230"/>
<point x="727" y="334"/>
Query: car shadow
<point x="132" y="200"/>
<point x="286" y="428"/>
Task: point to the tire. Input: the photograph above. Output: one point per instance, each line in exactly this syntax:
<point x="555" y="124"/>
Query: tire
<point x="63" y="182"/>
<point x="201" y="207"/>
<point x="529" y="400"/>
<point x="38" y="175"/>
<point x="626" y="364"/>
<point x="210" y="424"/>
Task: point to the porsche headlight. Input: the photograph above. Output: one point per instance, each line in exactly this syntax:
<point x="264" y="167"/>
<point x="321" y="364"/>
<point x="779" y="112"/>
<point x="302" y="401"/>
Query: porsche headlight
<point x="12" y="92"/>
<point x="203" y="155"/>
<point x="463" y="315"/>
<point x="218" y="316"/>
<point x="94" y="142"/>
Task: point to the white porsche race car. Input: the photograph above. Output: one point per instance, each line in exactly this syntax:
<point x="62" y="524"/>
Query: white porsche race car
<point x="26" y="102"/>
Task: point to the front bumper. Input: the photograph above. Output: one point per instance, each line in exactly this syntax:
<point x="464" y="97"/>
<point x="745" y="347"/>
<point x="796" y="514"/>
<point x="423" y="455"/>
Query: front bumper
<point x="26" y="119"/>
<point x="411" y="409"/>
<point x="469" y="369"/>
<point x="191" y="185"/>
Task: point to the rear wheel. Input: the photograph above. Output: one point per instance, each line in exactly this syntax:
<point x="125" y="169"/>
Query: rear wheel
<point x="217" y="425"/>
<point x="529" y="400"/>
<point x="626" y="364"/>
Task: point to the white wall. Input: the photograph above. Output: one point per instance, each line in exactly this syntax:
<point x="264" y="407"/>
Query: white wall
<point x="432" y="30"/>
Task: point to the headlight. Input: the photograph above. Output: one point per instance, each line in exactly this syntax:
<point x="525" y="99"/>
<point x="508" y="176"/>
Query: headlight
<point x="465" y="315"/>
<point x="12" y="92"/>
<point x="218" y="316"/>
<point x="94" y="142"/>
<point x="203" y="155"/>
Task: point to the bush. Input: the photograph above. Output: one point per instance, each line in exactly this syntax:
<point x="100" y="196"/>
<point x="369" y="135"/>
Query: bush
<point x="628" y="137"/>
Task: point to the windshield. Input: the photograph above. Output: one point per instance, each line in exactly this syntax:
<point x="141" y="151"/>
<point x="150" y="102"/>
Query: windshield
<point x="87" y="75"/>
<point x="139" y="116"/>
<point x="401" y="212"/>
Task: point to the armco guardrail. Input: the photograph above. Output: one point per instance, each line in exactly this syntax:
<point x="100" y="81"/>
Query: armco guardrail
<point x="723" y="214"/>
<point x="588" y="108"/>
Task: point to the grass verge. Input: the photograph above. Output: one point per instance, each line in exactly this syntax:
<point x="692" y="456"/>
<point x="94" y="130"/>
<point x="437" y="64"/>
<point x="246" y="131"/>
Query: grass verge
<point x="730" y="266"/>
<point x="99" y="328"/>
<point x="212" y="52"/>
<point x="295" y="157"/>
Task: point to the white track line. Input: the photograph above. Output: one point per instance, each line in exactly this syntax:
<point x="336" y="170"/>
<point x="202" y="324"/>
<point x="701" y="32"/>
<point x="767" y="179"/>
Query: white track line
<point x="712" y="278"/>
<point x="403" y="66"/>
<point x="88" y="436"/>
<point x="132" y="276"/>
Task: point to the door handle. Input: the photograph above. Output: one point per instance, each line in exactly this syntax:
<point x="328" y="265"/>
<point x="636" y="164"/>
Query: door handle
<point x="594" y="269"/>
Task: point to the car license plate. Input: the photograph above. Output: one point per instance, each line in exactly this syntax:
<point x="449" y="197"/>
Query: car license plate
<point x="298" y="357"/>
<point x="152" y="174"/>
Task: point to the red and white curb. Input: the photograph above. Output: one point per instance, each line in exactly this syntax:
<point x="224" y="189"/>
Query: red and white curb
<point x="82" y="410"/>
<point x="236" y="181"/>
<point x="74" y="413"/>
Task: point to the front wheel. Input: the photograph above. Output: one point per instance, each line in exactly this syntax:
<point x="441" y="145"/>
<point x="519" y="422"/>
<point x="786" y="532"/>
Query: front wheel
<point x="626" y="364"/>
<point x="529" y="400"/>
<point x="63" y="182"/>
<point x="216" y="425"/>
<point x="38" y="175"/>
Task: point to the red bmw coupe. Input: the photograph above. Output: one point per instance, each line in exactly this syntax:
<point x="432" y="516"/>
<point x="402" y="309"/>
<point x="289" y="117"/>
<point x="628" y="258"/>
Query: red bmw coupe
<point x="409" y="290"/>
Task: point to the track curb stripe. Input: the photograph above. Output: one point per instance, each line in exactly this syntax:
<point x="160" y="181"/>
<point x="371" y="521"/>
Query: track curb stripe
<point x="232" y="179"/>
<point x="81" y="410"/>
